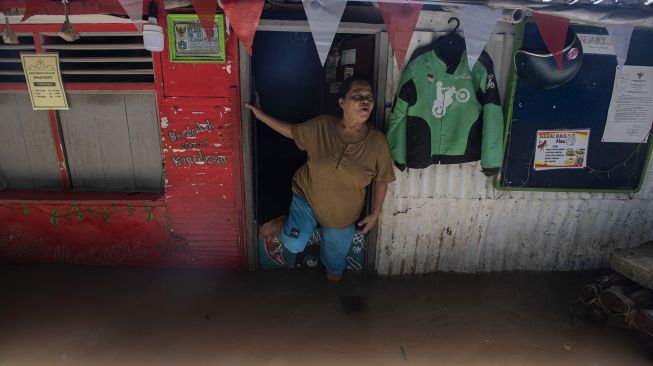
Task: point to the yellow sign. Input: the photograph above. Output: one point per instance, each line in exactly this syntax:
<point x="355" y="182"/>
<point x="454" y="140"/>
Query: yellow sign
<point x="44" y="80"/>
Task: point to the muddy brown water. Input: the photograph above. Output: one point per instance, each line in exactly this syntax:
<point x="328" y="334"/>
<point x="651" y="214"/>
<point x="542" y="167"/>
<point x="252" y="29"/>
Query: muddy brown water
<point x="51" y="315"/>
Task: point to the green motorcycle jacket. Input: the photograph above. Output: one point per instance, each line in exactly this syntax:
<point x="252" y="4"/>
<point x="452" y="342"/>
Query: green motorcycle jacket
<point x="443" y="114"/>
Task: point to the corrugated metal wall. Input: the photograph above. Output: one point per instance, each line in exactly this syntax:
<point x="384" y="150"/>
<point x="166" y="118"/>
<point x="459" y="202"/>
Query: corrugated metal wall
<point x="450" y="218"/>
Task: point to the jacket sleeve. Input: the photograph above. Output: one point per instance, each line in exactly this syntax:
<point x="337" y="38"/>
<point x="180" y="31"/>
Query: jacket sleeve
<point x="406" y="97"/>
<point x="492" y="144"/>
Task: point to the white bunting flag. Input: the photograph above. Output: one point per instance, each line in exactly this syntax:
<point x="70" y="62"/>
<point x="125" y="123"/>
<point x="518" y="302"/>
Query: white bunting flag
<point x="134" y="9"/>
<point x="323" y="19"/>
<point x="477" y="21"/>
<point x="620" y="35"/>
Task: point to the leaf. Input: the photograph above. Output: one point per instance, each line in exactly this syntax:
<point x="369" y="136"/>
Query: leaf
<point x="54" y="217"/>
<point x="105" y="215"/>
<point x="26" y="210"/>
<point x="149" y="215"/>
<point x="91" y="211"/>
<point x="130" y="209"/>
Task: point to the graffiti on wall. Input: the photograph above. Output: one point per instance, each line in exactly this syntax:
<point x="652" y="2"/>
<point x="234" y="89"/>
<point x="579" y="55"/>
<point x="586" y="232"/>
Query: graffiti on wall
<point x="13" y="244"/>
<point x="124" y="252"/>
<point x="187" y="138"/>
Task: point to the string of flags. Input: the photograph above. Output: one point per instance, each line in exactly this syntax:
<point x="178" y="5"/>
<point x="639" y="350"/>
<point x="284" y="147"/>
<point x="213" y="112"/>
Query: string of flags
<point x="400" y="18"/>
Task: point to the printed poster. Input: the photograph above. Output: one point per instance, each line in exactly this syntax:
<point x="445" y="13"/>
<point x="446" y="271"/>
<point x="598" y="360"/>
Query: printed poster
<point x="599" y="44"/>
<point x="561" y="149"/>
<point x="630" y="113"/>
<point x="44" y="80"/>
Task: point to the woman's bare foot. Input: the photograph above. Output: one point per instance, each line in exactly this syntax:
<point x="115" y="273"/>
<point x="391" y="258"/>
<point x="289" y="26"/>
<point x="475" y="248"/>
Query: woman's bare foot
<point x="270" y="229"/>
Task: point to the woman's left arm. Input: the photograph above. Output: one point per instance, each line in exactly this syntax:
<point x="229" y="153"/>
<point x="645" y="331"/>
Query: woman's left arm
<point x="367" y="223"/>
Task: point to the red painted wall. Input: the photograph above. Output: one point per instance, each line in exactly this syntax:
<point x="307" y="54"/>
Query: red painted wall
<point x="199" y="219"/>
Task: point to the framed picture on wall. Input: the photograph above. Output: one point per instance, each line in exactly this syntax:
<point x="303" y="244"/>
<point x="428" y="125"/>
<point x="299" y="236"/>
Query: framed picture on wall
<point x="188" y="42"/>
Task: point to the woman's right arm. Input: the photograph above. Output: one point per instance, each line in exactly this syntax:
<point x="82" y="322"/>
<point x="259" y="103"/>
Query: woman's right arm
<point x="283" y="127"/>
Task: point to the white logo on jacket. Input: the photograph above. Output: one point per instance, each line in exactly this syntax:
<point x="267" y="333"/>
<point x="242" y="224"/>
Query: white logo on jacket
<point x="445" y="97"/>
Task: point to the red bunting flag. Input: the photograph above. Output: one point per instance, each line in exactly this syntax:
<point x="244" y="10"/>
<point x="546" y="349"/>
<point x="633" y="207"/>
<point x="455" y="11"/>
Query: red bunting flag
<point x="400" y="20"/>
<point x="553" y="31"/>
<point x="205" y="10"/>
<point x="43" y="7"/>
<point x="244" y="16"/>
<point x="32" y="7"/>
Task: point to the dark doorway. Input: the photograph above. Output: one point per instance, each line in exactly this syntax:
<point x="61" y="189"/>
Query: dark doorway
<point x="294" y="87"/>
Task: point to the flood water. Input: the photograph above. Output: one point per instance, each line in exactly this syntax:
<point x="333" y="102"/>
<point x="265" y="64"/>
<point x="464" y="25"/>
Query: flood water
<point x="53" y="315"/>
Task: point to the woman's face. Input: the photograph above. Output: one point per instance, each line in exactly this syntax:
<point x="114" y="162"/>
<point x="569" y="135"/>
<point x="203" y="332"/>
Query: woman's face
<point x="358" y="103"/>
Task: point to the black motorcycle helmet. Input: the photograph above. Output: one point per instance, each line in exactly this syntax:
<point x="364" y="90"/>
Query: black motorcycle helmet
<point x="537" y="68"/>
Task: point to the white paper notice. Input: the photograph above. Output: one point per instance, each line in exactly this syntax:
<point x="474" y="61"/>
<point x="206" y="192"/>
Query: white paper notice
<point x="600" y="44"/>
<point x="630" y="114"/>
<point x="348" y="57"/>
<point x="349" y="72"/>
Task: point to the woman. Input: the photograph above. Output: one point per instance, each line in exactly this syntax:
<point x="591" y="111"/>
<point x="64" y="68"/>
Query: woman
<point x="345" y="154"/>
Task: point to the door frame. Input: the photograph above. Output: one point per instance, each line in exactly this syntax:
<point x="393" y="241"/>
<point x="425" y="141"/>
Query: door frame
<point x="382" y="55"/>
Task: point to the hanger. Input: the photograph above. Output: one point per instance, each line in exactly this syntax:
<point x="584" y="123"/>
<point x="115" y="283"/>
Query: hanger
<point x="448" y="47"/>
<point x="451" y="46"/>
<point x="454" y="19"/>
<point x="453" y="39"/>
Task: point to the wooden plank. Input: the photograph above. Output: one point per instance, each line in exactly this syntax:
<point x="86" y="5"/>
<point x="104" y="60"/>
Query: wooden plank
<point x="14" y="161"/>
<point x="635" y="263"/>
<point x="39" y="145"/>
<point x="145" y="141"/>
<point x="113" y="142"/>
<point x="81" y="141"/>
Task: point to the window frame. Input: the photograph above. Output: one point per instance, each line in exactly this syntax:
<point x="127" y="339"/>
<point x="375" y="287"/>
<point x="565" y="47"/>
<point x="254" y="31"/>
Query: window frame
<point x="67" y="194"/>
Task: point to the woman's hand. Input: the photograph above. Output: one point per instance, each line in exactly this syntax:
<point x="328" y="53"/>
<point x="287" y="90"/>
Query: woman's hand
<point x="367" y="223"/>
<point x="283" y="127"/>
<point x="256" y="110"/>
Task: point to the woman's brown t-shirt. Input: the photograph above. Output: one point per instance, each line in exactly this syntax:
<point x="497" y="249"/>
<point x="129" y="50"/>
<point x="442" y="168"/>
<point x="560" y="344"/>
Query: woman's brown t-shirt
<point x="334" y="178"/>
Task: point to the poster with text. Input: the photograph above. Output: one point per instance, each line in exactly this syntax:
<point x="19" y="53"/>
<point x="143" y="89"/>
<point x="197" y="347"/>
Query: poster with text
<point x="44" y="80"/>
<point x="561" y="149"/>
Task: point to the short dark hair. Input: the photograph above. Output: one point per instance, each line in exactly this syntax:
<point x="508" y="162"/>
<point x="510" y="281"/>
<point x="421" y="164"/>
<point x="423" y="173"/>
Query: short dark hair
<point x="346" y="84"/>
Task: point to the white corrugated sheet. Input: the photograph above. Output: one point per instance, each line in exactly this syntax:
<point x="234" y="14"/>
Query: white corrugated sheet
<point x="450" y="218"/>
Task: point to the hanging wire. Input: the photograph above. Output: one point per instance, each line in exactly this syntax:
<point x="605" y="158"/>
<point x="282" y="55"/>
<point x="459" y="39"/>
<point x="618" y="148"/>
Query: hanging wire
<point x="634" y="154"/>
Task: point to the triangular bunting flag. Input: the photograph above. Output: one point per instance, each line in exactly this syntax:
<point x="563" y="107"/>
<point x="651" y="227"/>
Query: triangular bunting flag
<point x="244" y="16"/>
<point x="400" y="20"/>
<point x="134" y="8"/>
<point x="478" y="22"/>
<point x="323" y="19"/>
<point x="553" y="31"/>
<point x="620" y="35"/>
<point x="32" y="8"/>
<point x="205" y="10"/>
